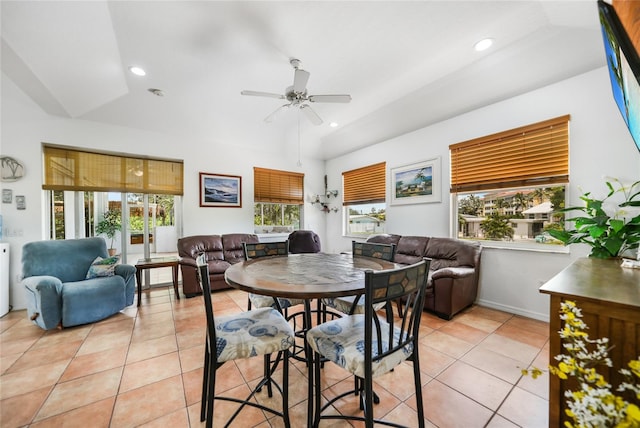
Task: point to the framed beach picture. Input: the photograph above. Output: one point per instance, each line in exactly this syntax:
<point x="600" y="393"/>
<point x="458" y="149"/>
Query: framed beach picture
<point x="418" y="183"/>
<point x="218" y="190"/>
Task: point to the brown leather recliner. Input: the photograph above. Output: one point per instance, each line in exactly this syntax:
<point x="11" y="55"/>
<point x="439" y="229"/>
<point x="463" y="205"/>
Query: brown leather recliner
<point x="221" y="251"/>
<point x="454" y="272"/>
<point x="304" y="241"/>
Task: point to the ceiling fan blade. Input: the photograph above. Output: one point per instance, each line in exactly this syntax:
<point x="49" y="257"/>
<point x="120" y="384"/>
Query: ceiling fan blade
<point x="276" y="113"/>
<point x="263" y="94"/>
<point x="300" y="79"/>
<point x="329" y="98"/>
<point x="311" y="115"/>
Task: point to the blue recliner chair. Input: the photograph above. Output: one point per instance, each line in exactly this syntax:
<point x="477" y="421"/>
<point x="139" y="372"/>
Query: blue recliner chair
<point x="58" y="291"/>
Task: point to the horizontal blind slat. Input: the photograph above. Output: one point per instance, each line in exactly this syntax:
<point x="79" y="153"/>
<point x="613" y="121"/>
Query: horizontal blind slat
<point x="365" y="185"/>
<point x="534" y="153"/>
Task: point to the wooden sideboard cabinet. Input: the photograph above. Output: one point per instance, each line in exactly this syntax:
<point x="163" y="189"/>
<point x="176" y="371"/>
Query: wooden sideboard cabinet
<point x="609" y="297"/>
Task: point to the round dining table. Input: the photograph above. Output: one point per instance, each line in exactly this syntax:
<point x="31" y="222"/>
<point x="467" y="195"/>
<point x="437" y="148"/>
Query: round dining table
<point x="305" y="276"/>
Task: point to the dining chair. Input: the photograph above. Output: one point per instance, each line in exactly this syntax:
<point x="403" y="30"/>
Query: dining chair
<point x="267" y="249"/>
<point x="355" y="304"/>
<point x="369" y="346"/>
<point x="258" y="332"/>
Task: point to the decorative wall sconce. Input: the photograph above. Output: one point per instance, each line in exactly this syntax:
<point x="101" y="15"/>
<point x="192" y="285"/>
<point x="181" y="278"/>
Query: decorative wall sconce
<point x="323" y="200"/>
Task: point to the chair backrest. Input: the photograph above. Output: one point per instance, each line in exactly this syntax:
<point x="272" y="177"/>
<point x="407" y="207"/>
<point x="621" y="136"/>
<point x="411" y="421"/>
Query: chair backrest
<point x="373" y="249"/>
<point x="265" y="249"/>
<point x="204" y="280"/>
<point x="407" y="283"/>
<point x="66" y="259"/>
<point x="304" y="241"/>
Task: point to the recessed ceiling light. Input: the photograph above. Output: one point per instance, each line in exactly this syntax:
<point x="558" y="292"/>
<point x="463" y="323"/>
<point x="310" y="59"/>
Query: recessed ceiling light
<point x="138" y="71"/>
<point x="333" y="124"/>
<point x="483" y="44"/>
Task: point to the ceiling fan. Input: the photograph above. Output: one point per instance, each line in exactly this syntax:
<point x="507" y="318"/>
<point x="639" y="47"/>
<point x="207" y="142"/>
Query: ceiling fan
<point x="296" y="96"/>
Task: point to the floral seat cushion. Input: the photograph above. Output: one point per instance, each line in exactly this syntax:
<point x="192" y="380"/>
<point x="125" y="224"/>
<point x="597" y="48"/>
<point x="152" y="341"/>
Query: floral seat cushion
<point x="256" y="332"/>
<point x="260" y="301"/>
<point x="342" y="341"/>
<point x="343" y="304"/>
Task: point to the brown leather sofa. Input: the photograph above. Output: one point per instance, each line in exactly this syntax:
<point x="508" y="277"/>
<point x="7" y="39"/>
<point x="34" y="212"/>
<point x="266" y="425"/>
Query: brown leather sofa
<point x="454" y="272"/>
<point x="221" y="251"/>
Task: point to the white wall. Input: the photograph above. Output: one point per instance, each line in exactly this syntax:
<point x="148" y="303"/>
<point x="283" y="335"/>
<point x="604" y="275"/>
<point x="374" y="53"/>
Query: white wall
<point x="25" y="126"/>
<point x="600" y="145"/>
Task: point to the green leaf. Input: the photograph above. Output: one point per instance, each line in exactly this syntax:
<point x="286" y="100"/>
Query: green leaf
<point x="613" y="245"/>
<point x="596" y="231"/>
<point x="616" y="225"/>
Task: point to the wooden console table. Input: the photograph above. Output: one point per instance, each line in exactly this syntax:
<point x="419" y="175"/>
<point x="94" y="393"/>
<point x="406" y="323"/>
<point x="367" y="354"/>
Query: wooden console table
<point x="609" y="297"/>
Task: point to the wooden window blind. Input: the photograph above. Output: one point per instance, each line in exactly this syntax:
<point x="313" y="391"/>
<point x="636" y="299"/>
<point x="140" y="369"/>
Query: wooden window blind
<point x="78" y="170"/>
<point x="365" y="185"/>
<point x="279" y="187"/>
<point x="533" y="155"/>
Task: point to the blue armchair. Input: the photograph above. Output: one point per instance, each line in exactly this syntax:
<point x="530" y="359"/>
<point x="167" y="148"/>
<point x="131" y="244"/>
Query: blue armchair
<point x="58" y="292"/>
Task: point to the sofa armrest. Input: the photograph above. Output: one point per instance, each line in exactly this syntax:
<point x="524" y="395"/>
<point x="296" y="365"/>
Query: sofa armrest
<point x="128" y="273"/>
<point x="188" y="261"/>
<point x="44" y="300"/>
<point x="453" y="272"/>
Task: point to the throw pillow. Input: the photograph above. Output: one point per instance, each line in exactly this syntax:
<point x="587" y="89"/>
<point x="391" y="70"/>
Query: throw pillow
<point x="103" y="267"/>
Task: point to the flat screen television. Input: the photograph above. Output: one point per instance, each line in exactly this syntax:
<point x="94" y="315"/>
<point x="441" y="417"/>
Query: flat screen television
<point x="624" y="68"/>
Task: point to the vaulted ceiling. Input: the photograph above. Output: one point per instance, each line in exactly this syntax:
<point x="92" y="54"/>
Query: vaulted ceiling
<point x="405" y="64"/>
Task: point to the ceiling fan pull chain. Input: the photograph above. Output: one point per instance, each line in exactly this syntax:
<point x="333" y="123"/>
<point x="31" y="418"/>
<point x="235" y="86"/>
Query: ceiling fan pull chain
<point x="299" y="162"/>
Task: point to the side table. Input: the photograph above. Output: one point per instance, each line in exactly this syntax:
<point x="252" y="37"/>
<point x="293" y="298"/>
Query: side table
<point x="157" y="262"/>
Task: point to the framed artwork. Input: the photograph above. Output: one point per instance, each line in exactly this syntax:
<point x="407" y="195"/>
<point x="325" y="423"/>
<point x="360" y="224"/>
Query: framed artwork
<point x="7" y="196"/>
<point x="418" y="183"/>
<point x="218" y="190"/>
<point x="21" y="203"/>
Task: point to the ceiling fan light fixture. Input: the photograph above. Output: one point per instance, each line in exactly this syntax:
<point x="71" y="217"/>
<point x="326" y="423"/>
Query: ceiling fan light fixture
<point x="483" y="44"/>
<point x="138" y="71"/>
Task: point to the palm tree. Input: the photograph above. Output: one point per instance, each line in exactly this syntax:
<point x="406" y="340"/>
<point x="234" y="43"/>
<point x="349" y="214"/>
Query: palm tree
<point x="540" y="195"/>
<point x="500" y="205"/>
<point x="521" y="202"/>
<point x="497" y="227"/>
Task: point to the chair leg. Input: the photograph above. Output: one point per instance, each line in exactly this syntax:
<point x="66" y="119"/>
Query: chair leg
<point x="399" y="305"/>
<point x="317" y="393"/>
<point x="267" y="374"/>
<point x="285" y="389"/>
<point x="213" y="368"/>
<point x="205" y="383"/>
<point x="418" y="385"/>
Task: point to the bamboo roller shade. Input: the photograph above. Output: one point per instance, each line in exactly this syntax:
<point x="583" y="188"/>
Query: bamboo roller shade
<point x="79" y="170"/>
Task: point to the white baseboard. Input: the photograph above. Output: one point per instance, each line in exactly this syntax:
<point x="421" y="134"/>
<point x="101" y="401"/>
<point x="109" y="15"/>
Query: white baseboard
<point x="514" y="310"/>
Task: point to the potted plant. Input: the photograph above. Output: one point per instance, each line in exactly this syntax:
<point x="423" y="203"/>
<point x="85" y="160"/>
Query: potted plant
<point x="109" y="226"/>
<point x="611" y="225"/>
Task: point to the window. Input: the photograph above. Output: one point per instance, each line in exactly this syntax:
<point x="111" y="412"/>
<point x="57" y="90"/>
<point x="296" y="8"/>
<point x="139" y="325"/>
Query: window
<point x="278" y="200"/>
<point x="364" y="191"/>
<point x="81" y="185"/>
<point x="507" y="186"/>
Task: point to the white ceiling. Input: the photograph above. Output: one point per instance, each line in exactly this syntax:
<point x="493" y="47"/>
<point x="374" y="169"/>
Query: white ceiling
<point x="405" y="64"/>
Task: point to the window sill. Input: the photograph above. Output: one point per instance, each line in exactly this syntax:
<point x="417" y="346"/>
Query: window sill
<point x="524" y="246"/>
<point x="272" y="237"/>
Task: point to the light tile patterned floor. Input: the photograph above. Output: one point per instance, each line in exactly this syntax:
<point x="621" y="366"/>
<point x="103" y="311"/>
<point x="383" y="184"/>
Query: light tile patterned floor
<point x="144" y="368"/>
